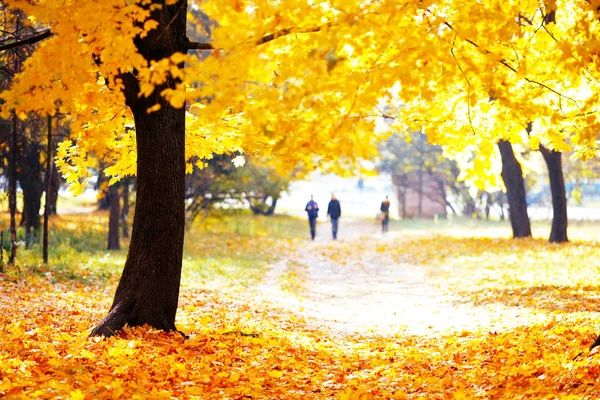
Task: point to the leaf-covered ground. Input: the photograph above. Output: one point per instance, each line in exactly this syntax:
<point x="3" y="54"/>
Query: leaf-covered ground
<point x="436" y="312"/>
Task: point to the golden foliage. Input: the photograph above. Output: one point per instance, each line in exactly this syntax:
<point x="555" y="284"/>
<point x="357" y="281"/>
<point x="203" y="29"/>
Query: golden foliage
<point x="468" y="74"/>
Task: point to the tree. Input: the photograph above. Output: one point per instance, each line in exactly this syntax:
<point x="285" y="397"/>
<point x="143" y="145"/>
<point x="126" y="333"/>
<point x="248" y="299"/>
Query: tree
<point x="31" y="179"/>
<point x="255" y="184"/>
<point x="417" y="166"/>
<point x="114" y="216"/>
<point x="125" y="209"/>
<point x="553" y="159"/>
<point x="512" y="175"/>
<point x="149" y="287"/>
<point x="48" y="186"/>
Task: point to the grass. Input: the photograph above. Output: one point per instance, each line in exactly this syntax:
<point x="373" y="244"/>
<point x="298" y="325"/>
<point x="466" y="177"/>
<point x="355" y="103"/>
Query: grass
<point x="228" y="248"/>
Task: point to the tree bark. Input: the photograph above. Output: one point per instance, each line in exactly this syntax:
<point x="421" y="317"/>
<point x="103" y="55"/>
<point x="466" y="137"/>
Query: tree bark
<point x="102" y="188"/>
<point x="49" y="164"/>
<point x="261" y="210"/>
<point x="113" y="219"/>
<point x="12" y="192"/>
<point x="149" y="287"/>
<point x="53" y="189"/>
<point x="30" y="176"/>
<point x="125" y="209"/>
<point x="553" y="159"/>
<point x="512" y="175"/>
<point x="420" y="183"/>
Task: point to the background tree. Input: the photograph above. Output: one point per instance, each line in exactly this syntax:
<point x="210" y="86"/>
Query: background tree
<point x="553" y="159"/>
<point x="255" y="184"/>
<point x="418" y="166"/>
<point x="512" y="175"/>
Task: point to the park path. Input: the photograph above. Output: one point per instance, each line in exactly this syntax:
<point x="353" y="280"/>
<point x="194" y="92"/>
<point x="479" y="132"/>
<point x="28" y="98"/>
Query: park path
<point x="353" y="286"/>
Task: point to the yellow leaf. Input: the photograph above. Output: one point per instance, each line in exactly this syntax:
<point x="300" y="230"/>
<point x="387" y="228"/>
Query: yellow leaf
<point x="155" y="107"/>
<point x="76" y="395"/>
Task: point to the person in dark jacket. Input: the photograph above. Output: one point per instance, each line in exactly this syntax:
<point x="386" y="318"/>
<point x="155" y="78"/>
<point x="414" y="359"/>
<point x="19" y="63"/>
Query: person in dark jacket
<point x="385" y="217"/>
<point x="312" y="209"/>
<point x="334" y="212"/>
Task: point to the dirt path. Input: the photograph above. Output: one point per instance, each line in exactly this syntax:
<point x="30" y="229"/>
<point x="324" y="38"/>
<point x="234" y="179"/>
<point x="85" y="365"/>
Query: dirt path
<point x="352" y="286"/>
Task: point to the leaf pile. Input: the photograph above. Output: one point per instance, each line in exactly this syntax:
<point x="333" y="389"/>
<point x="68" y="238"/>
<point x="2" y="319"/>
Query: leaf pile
<point x="241" y="347"/>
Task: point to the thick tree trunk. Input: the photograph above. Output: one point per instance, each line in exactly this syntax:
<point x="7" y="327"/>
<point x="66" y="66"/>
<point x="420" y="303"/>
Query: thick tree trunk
<point x="553" y="159"/>
<point x="125" y="209"/>
<point x="512" y="175"/>
<point x="12" y="192"/>
<point x="149" y="287"/>
<point x="32" y="203"/>
<point x="113" y="219"/>
<point x="30" y="176"/>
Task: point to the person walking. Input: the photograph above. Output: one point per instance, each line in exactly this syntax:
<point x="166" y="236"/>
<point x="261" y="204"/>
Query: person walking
<point x="385" y="214"/>
<point x="312" y="209"/>
<point x="334" y="212"/>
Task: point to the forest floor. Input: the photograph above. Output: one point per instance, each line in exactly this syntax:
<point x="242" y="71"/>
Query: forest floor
<point x="436" y="310"/>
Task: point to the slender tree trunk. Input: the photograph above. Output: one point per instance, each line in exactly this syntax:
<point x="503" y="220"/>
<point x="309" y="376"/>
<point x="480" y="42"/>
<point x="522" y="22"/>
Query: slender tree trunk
<point x="148" y="291"/>
<point x="512" y="175"/>
<point x="488" y="205"/>
<point x="48" y="186"/>
<point x="12" y="192"/>
<point x="113" y="219"/>
<point x="125" y="209"/>
<point x="420" y="210"/>
<point x="553" y="159"/>
<point x="53" y="189"/>
<point x="103" y="189"/>
<point x="271" y="209"/>
<point x="1" y="252"/>
<point x="470" y="208"/>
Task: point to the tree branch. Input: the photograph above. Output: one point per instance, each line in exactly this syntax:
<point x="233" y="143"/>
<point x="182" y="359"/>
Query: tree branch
<point x="40" y="35"/>
<point x="265" y="39"/>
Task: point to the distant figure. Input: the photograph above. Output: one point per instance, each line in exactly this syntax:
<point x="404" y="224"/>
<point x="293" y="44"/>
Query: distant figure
<point x="385" y="214"/>
<point x="334" y="212"/>
<point x="312" y="209"/>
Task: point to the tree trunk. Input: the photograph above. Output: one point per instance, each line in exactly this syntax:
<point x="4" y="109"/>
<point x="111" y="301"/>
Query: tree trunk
<point x="103" y="189"/>
<point x="30" y="175"/>
<point x="271" y="209"/>
<point x="512" y="175"/>
<point x="470" y="208"/>
<point x="125" y="209"/>
<point x="48" y="186"/>
<point x="53" y="189"/>
<point x="149" y="287"/>
<point x="488" y="205"/>
<point x="553" y="159"/>
<point x="12" y="192"/>
<point x="113" y="219"/>
<point x="261" y="209"/>
<point x="420" y="210"/>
